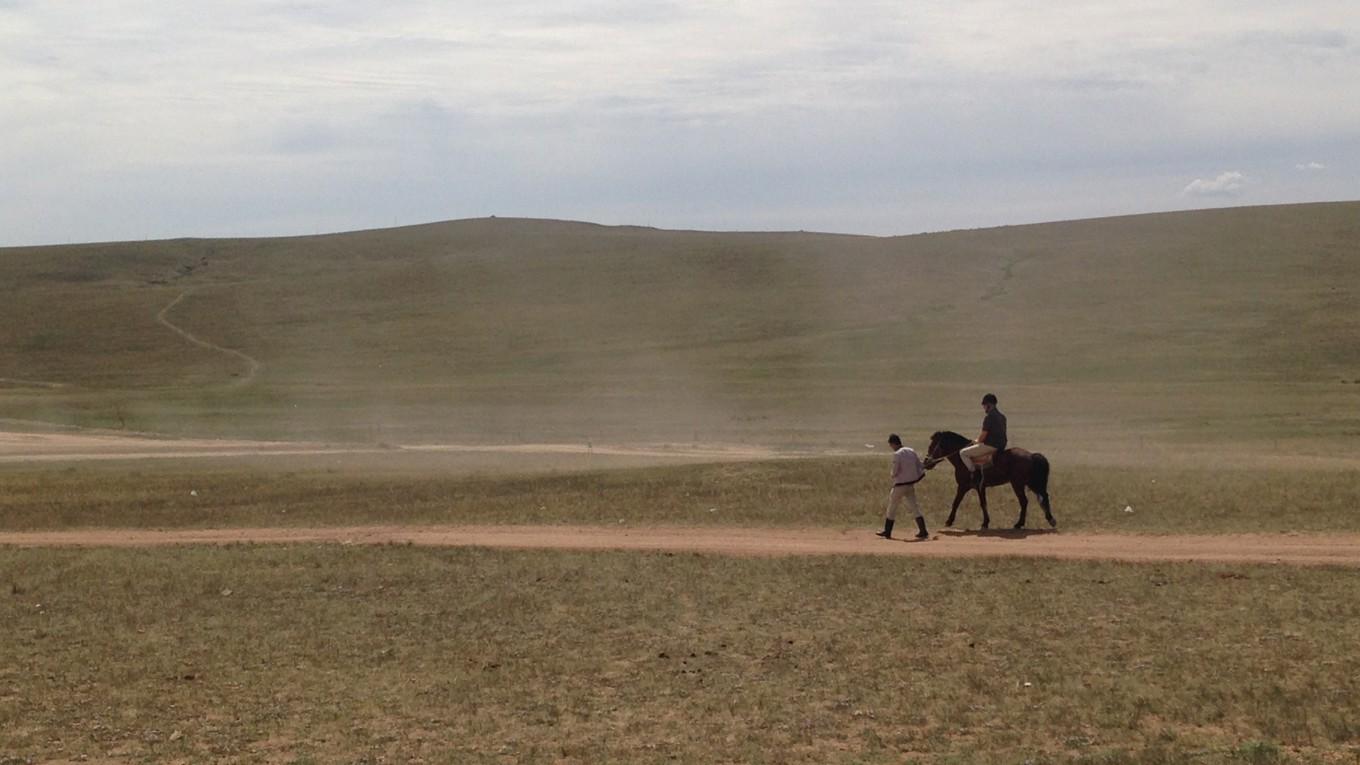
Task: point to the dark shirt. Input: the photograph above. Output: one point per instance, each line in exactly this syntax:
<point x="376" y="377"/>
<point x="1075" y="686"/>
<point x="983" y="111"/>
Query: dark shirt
<point x="995" y="425"/>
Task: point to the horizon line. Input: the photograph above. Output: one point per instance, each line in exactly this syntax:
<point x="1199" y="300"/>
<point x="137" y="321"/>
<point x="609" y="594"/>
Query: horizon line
<point x="766" y="232"/>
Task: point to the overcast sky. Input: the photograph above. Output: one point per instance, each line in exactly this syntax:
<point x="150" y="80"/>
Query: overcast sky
<point x="136" y="119"/>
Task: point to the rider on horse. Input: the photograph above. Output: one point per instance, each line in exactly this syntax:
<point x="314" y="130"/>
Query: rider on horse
<point x="991" y="441"/>
<point x="1020" y="468"/>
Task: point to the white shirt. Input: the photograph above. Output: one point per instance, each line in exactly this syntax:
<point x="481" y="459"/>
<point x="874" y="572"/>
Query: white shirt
<point x="907" y="466"/>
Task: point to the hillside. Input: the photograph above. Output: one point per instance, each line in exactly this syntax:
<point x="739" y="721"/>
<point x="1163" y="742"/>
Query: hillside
<point x="1234" y="325"/>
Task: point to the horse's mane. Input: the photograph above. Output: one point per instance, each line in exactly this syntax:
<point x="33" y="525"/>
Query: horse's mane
<point x="945" y="435"/>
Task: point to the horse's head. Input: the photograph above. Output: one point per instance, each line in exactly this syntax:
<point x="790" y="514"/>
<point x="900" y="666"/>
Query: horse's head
<point x="934" y="452"/>
<point x="943" y="444"/>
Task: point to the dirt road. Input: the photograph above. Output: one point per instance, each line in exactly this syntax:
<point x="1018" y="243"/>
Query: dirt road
<point x="87" y="446"/>
<point x="1291" y="549"/>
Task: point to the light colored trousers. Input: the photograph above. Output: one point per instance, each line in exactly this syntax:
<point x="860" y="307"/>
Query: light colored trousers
<point x="900" y="494"/>
<point x="969" y="453"/>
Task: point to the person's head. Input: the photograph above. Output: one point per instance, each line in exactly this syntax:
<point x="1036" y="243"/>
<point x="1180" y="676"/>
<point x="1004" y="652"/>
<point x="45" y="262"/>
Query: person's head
<point x="989" y="401"/>
<point x="895" y="441"/>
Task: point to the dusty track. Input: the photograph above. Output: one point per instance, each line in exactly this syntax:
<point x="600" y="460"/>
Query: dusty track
<point x="36" y="442"/>
<point x="85" y="446"/>
<point x="1335" y="550"/>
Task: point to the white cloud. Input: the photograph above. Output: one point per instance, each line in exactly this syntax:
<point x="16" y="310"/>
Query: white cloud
<point x="1225" y="185"/>
<point x="1314" y="166"/>
<point x="675" y="113"/>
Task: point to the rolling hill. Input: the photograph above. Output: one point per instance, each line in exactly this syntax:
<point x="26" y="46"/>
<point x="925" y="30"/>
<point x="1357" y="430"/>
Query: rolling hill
<point x="1208" y="329"/>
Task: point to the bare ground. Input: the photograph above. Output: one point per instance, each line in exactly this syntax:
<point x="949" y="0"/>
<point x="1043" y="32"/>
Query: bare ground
<point x="27" y="447"/>
<point x="91" y="445"/>
<point x="28" y="442"/>
<point x="1291" y="549"/>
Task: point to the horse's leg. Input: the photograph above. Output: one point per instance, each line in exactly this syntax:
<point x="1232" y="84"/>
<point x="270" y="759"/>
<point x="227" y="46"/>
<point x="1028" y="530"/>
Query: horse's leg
<point x="1019" y="487"/>
<point x="1038" y="481"/>
<point x="958" y="498"/>
<point x="982" y="500"/>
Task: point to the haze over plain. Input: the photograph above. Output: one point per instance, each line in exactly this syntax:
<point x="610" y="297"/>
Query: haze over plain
<point x="151" y="120"/>
<point x="1228" y="330"/>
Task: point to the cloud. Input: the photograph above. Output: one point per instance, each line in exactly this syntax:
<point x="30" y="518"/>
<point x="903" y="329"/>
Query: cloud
<point x="1225" y="185"/>
<point x="285" y="116"/>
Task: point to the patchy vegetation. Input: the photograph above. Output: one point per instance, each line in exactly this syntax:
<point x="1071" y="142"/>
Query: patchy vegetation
<point x="795" y="492"/>
<point x="325" y="653"/>
<point x="1222" y="327"/>
<point x="1184" y="373"/>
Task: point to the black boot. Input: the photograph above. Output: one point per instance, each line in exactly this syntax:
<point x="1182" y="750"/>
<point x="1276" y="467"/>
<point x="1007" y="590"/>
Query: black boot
<point x="886" y="533"/>
<point x="921" y="526"/>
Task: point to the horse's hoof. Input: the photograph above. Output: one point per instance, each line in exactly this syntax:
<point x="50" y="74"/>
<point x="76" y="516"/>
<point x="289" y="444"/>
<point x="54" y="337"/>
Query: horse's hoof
<point x="1018" y="526"/>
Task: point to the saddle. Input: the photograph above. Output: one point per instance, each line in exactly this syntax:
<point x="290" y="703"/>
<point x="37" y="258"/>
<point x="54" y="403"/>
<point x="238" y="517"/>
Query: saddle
<point x="992" y="460"/>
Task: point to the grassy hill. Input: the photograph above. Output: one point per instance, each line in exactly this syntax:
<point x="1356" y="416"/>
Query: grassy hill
<point x="1230" y="327"/>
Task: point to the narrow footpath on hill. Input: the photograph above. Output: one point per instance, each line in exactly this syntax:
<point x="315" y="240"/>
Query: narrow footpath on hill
<point x="1289" y="549"/>
<point x="252" y="365"/>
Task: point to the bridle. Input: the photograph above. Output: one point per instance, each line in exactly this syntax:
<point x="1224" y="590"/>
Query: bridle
<point x="934" y="460"/>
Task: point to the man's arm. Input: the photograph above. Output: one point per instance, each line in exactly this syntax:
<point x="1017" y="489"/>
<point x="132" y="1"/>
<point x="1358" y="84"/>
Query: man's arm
<point x="982" y="438"/>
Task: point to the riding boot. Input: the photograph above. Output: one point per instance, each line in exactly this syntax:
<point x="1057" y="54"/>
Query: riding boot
<point x="921" y="526"/>
<point x="886" y="533"/>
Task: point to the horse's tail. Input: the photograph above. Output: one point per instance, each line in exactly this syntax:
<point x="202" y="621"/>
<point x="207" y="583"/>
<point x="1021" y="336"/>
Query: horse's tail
<point x="1038" y="480"/>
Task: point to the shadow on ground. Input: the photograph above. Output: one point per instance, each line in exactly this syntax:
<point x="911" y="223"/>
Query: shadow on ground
<point x="998" y="533"/>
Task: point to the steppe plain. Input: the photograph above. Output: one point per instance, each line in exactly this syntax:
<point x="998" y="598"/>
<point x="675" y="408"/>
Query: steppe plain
<point x="304" y="409"/>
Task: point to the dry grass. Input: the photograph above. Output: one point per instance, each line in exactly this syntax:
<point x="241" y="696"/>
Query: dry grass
<point x="325" y="654"/>
<point x="813" y="492"/>
<point x="1216" y="327"/>
<point x="1150" y="357"/>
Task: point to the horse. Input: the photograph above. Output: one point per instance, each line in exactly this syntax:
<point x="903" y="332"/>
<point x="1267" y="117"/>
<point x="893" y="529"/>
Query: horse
<point x="1018" y="467"/>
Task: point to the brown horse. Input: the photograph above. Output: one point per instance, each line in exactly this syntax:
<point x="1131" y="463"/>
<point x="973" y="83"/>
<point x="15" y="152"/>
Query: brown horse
<point x="1017" y="467"/>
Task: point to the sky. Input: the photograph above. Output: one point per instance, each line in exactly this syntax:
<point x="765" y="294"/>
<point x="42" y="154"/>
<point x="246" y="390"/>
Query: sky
<point x="150" y="119"/>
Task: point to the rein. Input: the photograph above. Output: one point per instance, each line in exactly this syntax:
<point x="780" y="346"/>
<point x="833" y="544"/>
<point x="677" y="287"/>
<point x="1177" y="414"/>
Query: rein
<point x="937" y="460"/>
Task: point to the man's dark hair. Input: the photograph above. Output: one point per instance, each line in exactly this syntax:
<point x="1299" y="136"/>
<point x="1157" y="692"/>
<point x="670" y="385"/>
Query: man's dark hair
<point x="990" y="398"/>
<point x="895" y="439"/>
